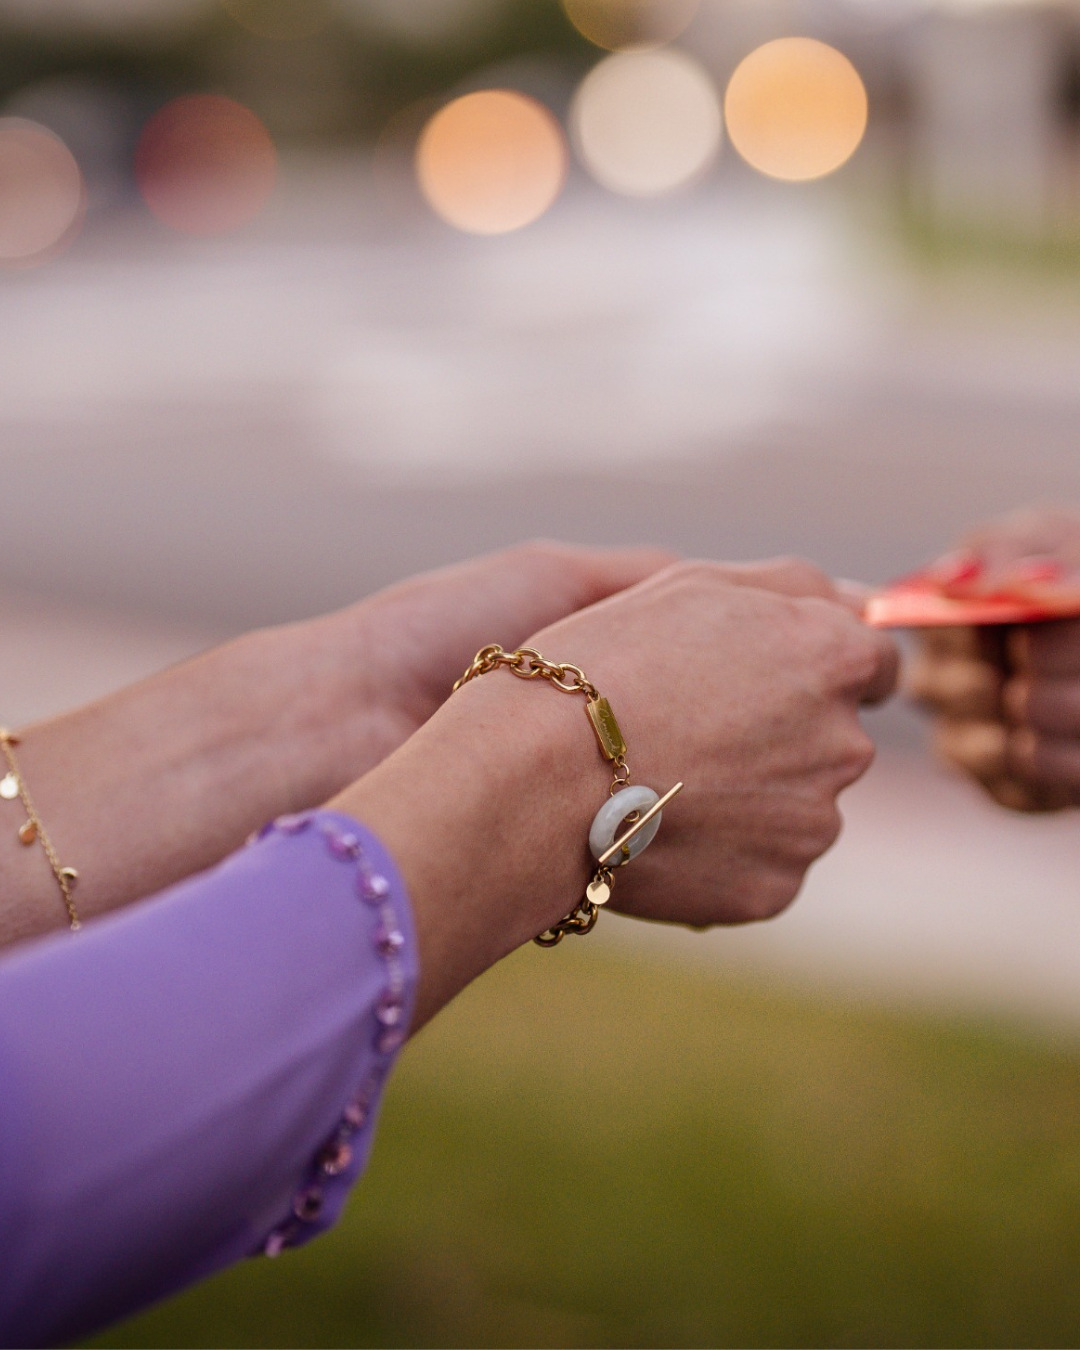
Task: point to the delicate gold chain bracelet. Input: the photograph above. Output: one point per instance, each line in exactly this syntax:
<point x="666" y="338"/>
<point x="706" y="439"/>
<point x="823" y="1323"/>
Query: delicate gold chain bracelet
<point x="13" y="788"/>
<point x="639" y="805"/>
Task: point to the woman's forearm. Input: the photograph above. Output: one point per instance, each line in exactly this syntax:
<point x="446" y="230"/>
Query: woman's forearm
<point x="166" y="777"/>
<point x="162" y="779"/>
<point x="197" y="1078"/>
<point x="487" y="810"/>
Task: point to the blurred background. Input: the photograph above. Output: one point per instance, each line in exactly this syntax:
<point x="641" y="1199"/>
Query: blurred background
<point x="300" y="296"/>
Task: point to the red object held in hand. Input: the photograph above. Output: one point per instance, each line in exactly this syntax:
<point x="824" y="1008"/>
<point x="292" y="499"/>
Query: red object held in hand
<point x="922" y="600"/>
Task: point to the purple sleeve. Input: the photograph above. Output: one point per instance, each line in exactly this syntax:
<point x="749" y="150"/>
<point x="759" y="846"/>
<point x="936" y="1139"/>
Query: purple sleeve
<point x="196" y="1079"/>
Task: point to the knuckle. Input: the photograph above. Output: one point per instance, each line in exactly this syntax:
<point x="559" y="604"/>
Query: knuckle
<point x="859" y="754"/>
<point x="541" y="550"/>
<point x="820" y="831"/>
<point x="800" y="576"/>
<point x="831" y="827"/>
<point x="860" y="658"/>
<point x="695" y="570"/>
<point x="691" y="577"/>
<point x="842" y="646"/>
<point x="771" y="893"/>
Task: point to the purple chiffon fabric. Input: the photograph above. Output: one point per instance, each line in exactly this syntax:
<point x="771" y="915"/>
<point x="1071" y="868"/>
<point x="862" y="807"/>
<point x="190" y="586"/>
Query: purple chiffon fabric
<point x="196" y="1078"/>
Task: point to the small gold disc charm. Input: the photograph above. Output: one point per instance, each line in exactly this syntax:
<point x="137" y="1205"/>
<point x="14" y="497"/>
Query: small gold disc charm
<point x="598" y="892"/>
<point x="27" y="833"/>
<point x="9" y="787"/>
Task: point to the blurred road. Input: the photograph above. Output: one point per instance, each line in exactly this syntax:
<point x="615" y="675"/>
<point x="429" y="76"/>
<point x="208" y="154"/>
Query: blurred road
<point x="196" y="437"/>
<point x="251" y="430"/>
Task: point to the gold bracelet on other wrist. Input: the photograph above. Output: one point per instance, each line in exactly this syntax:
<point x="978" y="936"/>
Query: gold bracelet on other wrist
<point x="32" y="830"/>
<point x="640" y="806"/>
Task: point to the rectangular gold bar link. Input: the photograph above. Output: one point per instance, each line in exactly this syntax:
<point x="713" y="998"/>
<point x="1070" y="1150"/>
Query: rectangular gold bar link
<point x="607" y="729"/>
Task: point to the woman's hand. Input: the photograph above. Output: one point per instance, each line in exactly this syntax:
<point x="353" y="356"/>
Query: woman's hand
<point x="406" y="645"/>
<point x="1006" y="701"/>
<point x="164" y="778"/>
<point x="749" y="696"/>
<point x="1029" y="548"/>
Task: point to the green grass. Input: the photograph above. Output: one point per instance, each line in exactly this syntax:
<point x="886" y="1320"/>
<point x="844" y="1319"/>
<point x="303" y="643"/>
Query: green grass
<point x="591" y="1148"/>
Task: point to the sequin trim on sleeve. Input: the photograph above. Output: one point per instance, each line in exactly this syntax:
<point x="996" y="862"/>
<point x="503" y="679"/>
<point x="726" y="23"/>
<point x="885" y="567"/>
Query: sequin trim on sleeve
<point x="388" y="1030"/>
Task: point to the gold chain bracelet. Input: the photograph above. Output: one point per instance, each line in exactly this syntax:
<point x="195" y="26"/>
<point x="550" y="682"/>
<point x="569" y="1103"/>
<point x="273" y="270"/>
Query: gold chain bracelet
<point x="527" y="664"/>
<point x="13" y="788"/>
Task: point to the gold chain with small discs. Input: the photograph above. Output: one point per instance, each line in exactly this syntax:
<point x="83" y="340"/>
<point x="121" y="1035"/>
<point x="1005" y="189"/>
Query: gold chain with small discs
<point x="527" y="664"/>
<point x="34" y="829"/>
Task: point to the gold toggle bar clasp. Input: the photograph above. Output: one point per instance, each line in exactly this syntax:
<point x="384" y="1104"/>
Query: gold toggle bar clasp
<point x="640" y="824"/>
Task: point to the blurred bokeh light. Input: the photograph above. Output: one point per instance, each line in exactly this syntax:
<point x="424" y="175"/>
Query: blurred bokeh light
<point x="424" y="23"/>
<point x="94" y="119"/>
<point x="646" y="123"/>
<point x="42" y="195"/>
<point x="279" y="19"/>
<point x="129" y="17"/>
<point x="618" y="24"/>
<point x="205" y="164"/>
<point x="491" y="161"/>
<point x="796" y="109"/>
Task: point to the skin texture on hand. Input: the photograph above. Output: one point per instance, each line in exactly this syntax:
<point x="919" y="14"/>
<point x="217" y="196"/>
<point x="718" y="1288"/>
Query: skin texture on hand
<point x="420" y="635"/>
<point x="1006" y="701"/>
<point x="749" y="696"/>
<point x="160" y="780"/>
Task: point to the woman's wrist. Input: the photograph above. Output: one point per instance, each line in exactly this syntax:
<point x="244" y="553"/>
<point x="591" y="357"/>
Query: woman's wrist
<point x="164" y="778"/>
<point x="486" y="811"/>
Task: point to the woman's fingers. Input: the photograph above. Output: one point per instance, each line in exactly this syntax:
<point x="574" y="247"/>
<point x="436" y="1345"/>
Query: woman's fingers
<point x="1007" y="699"/>
<point x="1048" y="706"/>
<point x="1036" y="545"/>
<point x="1044" y="762"/>
<point x="1046" y="649"/>
<point x="586" y="574"/>
<point x="1021" y="768"/>
<point x="980" y="748"/>
<point x="783" y="576"/>
<point x="956" y="686"/>
<point x="884" y="671"/>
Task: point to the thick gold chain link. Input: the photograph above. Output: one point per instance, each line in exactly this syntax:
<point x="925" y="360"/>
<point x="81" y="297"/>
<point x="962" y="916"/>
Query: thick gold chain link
<point x="527" y="664"/>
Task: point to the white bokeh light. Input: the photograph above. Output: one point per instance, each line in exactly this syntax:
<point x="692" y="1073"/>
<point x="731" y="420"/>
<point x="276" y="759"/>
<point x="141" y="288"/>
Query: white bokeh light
<point x="646" y="122"/>
<point x="42" y="194"/>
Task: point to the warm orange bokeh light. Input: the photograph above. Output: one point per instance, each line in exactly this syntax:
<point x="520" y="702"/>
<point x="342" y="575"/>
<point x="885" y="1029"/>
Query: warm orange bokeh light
<point x="205" y="164"/>
<point x="42" y="194"/>
<point x="796" y="109"/>
<point x="492" y="161"/>
<point x="618" y="24"/>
